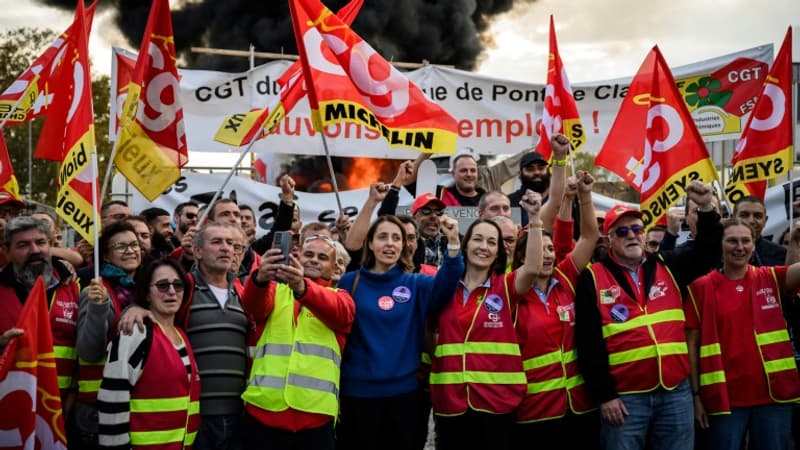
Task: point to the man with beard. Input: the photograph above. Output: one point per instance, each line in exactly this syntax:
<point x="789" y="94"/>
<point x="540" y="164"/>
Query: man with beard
<point x="534" y="174"/>
<point x="184" y="216"/>
<point x="27" y="244"/>
<point x="158" y="220"/>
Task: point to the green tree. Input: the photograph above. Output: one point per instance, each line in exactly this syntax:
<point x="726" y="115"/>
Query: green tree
<point x="18" y="48"/>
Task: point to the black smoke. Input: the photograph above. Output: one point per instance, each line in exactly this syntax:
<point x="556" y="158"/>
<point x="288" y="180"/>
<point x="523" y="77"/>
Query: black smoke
<point x="447" y="32"/>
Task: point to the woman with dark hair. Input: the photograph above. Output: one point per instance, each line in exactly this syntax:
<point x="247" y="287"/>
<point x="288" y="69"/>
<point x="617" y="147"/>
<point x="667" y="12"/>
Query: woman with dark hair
<point x="379" y="384"/>
<point x="150" y="391"/>
<point x="100" y="305"/>
<point x="557" y="402"/>
<point x="477" y="378"/>
<point x="743" y="372"/>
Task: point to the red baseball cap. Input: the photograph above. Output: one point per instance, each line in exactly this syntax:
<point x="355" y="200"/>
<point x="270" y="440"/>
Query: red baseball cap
<point x="425" y="200"/>
<point x="617" y="212"/>
<point x="8" y="198"/>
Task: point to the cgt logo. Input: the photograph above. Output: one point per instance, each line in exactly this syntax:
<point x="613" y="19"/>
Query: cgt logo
<point x="646" y="172"/>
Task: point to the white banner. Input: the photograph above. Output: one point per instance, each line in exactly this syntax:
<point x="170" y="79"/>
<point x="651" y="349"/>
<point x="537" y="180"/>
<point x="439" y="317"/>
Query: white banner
<point x="494" y="116"/>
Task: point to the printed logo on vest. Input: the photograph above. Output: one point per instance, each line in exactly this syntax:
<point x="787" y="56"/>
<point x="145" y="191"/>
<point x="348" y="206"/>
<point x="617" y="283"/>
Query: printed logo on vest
<point x="620" y="313"/>
<point x="401" y="294"/>
<point x="495" y="321"/>
<point x="493" y="303"/>
<point x="564" y="312"/>
<point x="769" y="301"/>
<point x="385" y="303"/>
<point x="658" y="290"/>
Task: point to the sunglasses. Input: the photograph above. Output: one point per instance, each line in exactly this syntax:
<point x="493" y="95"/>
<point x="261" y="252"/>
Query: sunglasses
<point x="190" y="216"/>
<point x="623" y="231"/>
<point x="163" y="286"/>
<point x="428" y="211"/>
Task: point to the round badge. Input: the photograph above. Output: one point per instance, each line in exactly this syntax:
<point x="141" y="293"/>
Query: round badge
<point x="619" y="313"/>
<point x="614" y="291"/>
<point x="385" y="303"/>
<point x="493" y="303"/>
<point x="401" y="294"/>
<point x="740" y="288"/>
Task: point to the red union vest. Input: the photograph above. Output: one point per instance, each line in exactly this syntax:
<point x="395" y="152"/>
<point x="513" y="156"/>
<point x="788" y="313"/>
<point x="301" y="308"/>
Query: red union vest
<point x="646" y="345"/>
<point x="90" y="374"/>
<point x="63" y="321"/>
<point x="772" y="339"/>
<point x="448" y="198"/>
<point x="480" y="369"/>
<point x="165" y="404"/>
<point x="551" y="365"/>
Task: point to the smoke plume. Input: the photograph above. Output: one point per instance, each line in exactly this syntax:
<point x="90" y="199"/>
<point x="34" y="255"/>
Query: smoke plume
<point x="438" y="31"/>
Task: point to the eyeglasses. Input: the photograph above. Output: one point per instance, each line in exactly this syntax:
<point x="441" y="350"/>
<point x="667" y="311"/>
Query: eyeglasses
<point x="164" y="285"/>
<point x="653" y="244"/>
<point x="122" y="247"/>
<point x="623" y="231"/>
<point x="428" y="211"/>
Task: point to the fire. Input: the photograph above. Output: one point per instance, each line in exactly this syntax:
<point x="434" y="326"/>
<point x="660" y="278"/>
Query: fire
<point x="361" y="172"/>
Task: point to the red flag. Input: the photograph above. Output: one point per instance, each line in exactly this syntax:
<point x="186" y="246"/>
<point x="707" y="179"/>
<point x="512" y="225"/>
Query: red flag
<point x="654" y="144"/>
<point x="68" y="136"/>
<point x="151" y="149"/>
<point x="31" y="93"/>
<point x="8" y="182"/>
<point x="765" y="149"/>
<point x="30" y="402"/>
<point x="355" y="84"/>
<point x="560" y="113"/>
<point x="240" y="129"/>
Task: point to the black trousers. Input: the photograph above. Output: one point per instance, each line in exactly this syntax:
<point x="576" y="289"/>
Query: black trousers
<point x="579" y="431"/>
<point x="385" y="423"/>
<point x="475" y="431"/>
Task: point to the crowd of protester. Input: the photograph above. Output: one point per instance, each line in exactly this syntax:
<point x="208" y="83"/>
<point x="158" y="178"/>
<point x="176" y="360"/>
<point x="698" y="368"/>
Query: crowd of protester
<point x="570" y="328"/>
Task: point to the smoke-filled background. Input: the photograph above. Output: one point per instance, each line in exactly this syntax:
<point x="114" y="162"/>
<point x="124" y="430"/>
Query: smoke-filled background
<point x="450" y="32"/>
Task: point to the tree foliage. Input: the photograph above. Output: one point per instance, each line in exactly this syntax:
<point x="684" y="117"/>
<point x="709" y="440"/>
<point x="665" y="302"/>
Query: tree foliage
<point x="18" y="48"/>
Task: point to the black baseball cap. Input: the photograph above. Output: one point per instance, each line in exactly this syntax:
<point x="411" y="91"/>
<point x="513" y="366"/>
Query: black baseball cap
<point x="531" y="158"/>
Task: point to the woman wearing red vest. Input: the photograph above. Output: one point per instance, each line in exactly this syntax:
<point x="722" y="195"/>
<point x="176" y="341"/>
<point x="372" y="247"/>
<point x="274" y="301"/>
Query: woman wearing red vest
<point x="477" y="379"/>
<point x="553" y="414"/>
<point x="99" y="308"/>
<point x="150" y="393"/>
<point x="743" y="372"/>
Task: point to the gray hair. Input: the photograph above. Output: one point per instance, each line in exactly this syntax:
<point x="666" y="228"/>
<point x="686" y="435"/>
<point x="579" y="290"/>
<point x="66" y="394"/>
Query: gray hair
<point x="341" y="252"/>
<point x="22" y="224"/>
<point x="199" y="238"/>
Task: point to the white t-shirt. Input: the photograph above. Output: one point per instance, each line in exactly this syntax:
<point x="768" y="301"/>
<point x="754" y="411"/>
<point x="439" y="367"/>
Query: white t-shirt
<point x="221" y="294"/>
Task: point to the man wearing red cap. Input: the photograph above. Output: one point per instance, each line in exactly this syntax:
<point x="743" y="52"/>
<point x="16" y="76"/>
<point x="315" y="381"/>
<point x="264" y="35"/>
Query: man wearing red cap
<point x="427" y="210"/>
<point x="629" y="330"/>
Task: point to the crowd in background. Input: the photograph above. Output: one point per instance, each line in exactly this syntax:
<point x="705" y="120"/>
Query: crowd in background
<point x="569" y="328"/>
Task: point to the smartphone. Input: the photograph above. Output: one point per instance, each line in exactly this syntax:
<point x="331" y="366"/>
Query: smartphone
<point x="283" y="241"/>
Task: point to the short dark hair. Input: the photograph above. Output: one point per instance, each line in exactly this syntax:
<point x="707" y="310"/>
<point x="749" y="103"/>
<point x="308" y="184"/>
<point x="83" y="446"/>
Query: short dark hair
<point x="219" y="201"/>
<point x="145" y="277"/>
<point x="404" y="218"/>
<point x="246" y="207"/>
<point x="181" y="206"/>
<point x="112" y="230"/>
<point x="150" y="214"/>
<point x="748" y="199"/>
<point x="104" y="207"/>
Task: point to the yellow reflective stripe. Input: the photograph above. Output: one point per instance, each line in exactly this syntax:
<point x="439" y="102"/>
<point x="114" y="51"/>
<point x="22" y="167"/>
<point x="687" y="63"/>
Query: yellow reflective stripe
<point x="478" y="377"/>
<point x="542" y="360"/>
<point x="154" y="405"/>
<point x="715" y="377"/>
<point x="64" y="382"/>
<point x="778" y="365"/>
<point x="668" y="315"/>
<point x="489" y="348"/>
<point x="710" y="350"/>
<point x="545" y="386"/>
<point x="426" y="358"/>
<point x="772" y="337"/>
<point x="157" y="437"/>
<point x="83" y="362"/>
<point x="64" y="352"/>
<point x="89" y="385"/>
<point x="574" y="381"/>
<point x="189" y="439"/>
<point x="570" y="356"/>
<point x="650" y="351"/>
<point x="194" y="407"/>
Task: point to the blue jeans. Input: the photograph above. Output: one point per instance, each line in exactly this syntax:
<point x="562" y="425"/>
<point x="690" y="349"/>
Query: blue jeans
<point x="770" y="428"/>
<point x="666" y="417"/>
<point x="221" y="432"/>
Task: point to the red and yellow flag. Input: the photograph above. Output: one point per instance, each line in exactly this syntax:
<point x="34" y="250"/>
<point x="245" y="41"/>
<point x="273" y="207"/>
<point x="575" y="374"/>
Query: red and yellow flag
<point x="151" y="147"/>
<point x="30" y="402"/>
<point x="32" y="92"/>
<point x="240" y="129"/>
<point x="560" y="113"/>
<point x="653" y="144"/>
<point x="355" y="84"/>
<point x="8" y="182"/>
<point x="68" y="135"/>
<point x="765" y="149"/>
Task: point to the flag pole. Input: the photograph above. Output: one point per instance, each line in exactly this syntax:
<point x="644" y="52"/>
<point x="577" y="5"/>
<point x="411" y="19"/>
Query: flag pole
<point x="333" y="174"/>
<point x="218" y="193"/>
<point x="109" y="166"/>
<point x="95" y="202"/>
<point x="794" y="152"/>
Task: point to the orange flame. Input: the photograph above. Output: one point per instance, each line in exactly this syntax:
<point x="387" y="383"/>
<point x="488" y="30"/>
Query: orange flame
<point x="364" y="171"/>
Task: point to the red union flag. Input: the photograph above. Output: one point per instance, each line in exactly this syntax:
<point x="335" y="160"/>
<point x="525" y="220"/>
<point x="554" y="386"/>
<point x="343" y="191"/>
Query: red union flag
<point x="241" y="129"/>
<point x="31" y="93"/>
<point x="355" y="84"/>
<point x="151" y="148"/>
<point x="560" y="113"/>
<point x="30" y="402"/>
<point x="8" y="181"/>
<point x="765" y="149"/>
<point x="653" y="143"/>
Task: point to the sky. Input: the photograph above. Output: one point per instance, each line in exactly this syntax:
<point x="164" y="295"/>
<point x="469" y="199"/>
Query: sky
<point x="597" y="39"/>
